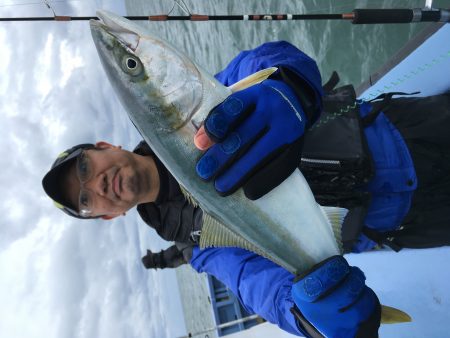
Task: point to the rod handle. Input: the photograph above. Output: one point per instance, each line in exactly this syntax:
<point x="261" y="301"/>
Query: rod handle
<point x="371" y="16"/>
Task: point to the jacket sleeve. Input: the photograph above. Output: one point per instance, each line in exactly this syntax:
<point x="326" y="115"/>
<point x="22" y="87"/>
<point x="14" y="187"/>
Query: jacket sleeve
<point x="261" y="286"/>
<point x="169" y="258"/>
<point x="173" y="257"/>
<point x="272" y="54"/>
<point x="179" y="219"/>
<point x="175" y="220"/>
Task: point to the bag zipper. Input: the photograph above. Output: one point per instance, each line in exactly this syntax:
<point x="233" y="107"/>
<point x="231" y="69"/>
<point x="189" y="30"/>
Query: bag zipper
<point x="314" y="162"/>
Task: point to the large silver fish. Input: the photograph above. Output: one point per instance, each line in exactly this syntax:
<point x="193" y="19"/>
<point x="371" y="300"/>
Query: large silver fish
<point x="167" y="96"/>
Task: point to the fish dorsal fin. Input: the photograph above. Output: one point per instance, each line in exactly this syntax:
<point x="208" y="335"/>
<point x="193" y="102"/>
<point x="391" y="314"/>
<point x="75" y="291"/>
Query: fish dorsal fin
<point x="216" y="234"/>
<point x="391" y="315"/>
<point x="253" y="79"/>
<point x="336" y="217"/>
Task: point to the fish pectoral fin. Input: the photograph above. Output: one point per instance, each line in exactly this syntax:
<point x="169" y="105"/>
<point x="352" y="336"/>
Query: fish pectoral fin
<point x="253" y="79"/>
<point x="391" y="315"/>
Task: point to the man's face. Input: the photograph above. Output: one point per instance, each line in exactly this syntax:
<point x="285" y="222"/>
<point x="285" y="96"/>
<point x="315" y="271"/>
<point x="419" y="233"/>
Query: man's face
<point x="111" y="181"/>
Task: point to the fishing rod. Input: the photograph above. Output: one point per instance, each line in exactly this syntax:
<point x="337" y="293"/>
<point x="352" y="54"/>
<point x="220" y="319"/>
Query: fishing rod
<point x="357" y="16"/>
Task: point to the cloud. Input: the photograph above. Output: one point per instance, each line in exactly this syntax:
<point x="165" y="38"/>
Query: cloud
<point x="63" y="277"/>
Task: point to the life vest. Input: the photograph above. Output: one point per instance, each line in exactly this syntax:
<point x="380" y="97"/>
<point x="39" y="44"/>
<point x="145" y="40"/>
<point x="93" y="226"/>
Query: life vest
<point x="336" y="160"/>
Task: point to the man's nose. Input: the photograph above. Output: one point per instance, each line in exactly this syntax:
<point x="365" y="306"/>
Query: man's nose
<point x="98" y="184"/>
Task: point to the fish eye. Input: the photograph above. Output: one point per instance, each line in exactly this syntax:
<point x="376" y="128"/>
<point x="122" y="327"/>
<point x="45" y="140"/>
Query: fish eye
<point x="131" y="65"/>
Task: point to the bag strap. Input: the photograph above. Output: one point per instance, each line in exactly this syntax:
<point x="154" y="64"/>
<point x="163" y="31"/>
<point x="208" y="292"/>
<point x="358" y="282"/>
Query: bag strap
<point x="382" y="238"/>
<point x="386" y="99"/>
<point x="332" y="82"/>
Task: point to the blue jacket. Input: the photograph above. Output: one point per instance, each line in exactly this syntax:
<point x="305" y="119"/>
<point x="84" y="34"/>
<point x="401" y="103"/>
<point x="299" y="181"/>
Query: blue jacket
<point x="262" y="286"/>
<point x="395" y="178"/>
<point x="394" y="182"/>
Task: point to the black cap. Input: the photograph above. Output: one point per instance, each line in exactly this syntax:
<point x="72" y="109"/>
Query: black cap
<point x="53" y="180"/>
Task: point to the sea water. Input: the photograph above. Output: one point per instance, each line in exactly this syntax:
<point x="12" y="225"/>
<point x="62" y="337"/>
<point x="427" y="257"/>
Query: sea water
<point x="355" y="51"/>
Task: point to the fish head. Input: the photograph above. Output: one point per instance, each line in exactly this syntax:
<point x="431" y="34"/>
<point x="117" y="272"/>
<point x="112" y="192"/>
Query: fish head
<point x="149" y="75"/>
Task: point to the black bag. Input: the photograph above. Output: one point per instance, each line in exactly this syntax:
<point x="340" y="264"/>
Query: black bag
<point x="336" y="160"/>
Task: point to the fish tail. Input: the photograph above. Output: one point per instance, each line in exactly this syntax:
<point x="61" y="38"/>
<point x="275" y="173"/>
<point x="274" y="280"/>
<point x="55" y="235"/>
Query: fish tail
<point x="391" y="315"/>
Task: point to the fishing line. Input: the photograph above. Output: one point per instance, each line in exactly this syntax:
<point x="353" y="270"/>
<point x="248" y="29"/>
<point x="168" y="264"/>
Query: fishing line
<point x="37" y="3"/>
<point x="182" y="5"/>
<point x="410" y="74"/>
<point x="49" y="7"/>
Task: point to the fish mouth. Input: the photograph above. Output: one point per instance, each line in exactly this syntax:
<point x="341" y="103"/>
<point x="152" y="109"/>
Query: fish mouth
<point x="125" y="32"/>
<point x="175" y="86"/>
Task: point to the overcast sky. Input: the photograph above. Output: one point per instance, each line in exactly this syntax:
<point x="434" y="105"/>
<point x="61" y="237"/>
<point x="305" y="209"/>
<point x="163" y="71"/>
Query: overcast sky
<point x="59" y="277"/>
<point x="64" y="278"/>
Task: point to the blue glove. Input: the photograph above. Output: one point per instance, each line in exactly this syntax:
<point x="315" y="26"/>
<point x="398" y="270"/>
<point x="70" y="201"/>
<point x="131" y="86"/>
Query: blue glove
<point x="259" y="139"/>
<point x="332" y="300"/>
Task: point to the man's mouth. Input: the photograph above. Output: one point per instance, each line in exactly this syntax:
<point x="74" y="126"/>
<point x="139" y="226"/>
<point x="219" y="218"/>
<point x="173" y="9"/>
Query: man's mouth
<point x="116" y="184"/>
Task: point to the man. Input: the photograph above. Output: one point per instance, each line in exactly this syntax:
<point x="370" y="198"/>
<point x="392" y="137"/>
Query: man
<point x="106" y="189"/>
<point x="262" y="286"/>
